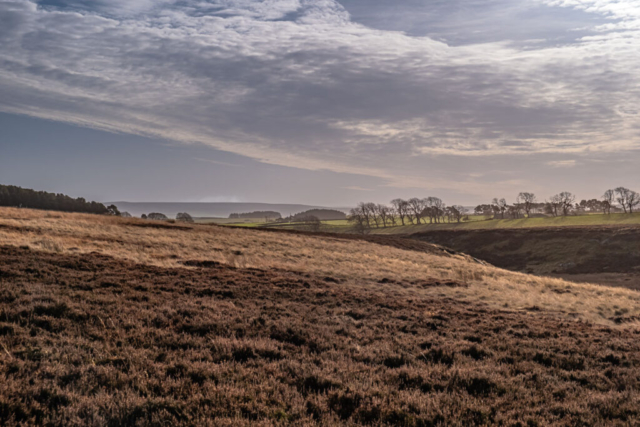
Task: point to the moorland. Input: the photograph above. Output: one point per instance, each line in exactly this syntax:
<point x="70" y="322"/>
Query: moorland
<point x="113" y="321"/>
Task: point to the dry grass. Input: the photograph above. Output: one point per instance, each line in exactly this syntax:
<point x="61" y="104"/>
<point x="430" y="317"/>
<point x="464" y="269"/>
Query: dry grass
<point x="354" y="263"/>
<point x="92" y="340"/>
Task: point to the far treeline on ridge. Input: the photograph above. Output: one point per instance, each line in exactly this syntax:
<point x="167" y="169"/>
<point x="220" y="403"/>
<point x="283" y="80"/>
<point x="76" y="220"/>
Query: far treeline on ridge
<point x="12" y="196"/>
<point x="432" y="210"/>
<point x="315" y="214"/>
<point x="321" y="214"/>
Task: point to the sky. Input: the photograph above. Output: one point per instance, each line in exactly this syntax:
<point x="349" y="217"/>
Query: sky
<point x="325" y="102"/>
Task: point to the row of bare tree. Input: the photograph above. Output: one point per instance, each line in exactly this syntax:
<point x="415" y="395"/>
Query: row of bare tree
<point x="562" y="204"/>
<point x="403" y="212"/>
<point x="434" y="210"/>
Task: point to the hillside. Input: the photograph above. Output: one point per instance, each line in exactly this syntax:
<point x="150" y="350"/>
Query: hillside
<point x="600" y="254"/>
<point x="210" y="210"/>
<point x="117" y="321"/>
<point x="346" y="259"/>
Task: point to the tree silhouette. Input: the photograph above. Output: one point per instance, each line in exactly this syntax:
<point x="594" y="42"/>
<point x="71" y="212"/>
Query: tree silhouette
<point x="184" y="217"/>
<point x="19" y="197"/>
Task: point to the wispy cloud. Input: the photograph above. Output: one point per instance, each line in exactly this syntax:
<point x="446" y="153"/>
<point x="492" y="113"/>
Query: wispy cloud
<point x="299" y="83"/>
<point x="217" y="162"/>
<point x="562" y="163"/>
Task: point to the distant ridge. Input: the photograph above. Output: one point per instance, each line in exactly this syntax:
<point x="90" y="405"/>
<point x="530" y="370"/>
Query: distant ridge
<point x="212" y="210"/>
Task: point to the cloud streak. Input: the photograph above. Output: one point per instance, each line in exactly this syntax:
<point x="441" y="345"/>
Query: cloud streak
<point x="300" y="83"/>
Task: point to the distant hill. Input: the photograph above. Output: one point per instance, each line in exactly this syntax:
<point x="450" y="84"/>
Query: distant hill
<point x="211" y="210"/>
<point x="321" y="214"/>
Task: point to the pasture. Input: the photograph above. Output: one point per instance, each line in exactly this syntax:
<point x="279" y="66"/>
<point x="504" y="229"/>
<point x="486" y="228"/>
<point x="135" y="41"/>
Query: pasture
<point x="482" y="223"/>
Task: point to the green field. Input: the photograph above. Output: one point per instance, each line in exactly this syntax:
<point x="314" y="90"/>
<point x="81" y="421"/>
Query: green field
<point x="569" y="221"/>
<point x="242" y="222"/>
<point x="475" y="222"/>
<point x="333" y="226"/>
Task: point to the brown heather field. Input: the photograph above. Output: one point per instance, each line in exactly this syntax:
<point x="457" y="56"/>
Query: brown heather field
<point x="105" y="321"/>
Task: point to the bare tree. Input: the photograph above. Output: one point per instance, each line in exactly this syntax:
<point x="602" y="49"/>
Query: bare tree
<point x="607" y="201"/>
<point x="410" y="217"/>
<point x="416" y="206"/>
<point x="449" y="213"/>
<point x="435" y="208"/>
<point x="372" y="210"/>
<point x="385" y="214"/>
<point x="359" y="221"/>
<point x="627" y="198"/>
<point x="563" y="203"/>
<point x="527" y="200"/>
<point x="633" y="200"/>
<point x="393" y="219"/>
<point x="623" y="195"/>
<point x="501" y="206"/>
<point x="401" y="207"/>
<point x="456" y="213"/>
<point x="362" y="210"/>
<point x="554" y="205"/>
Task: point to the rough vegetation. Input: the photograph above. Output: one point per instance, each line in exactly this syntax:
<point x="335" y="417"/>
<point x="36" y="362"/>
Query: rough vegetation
<point x="112" y="321"/>
<point x="89" y="339"/>
<point x="353" y="261"/>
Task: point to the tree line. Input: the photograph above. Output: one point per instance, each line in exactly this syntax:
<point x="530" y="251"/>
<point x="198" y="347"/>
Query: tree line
<point x="321" y="214"/>
<point x="12" y="196"/>
<point x="620" y="199"/>
<point x="433" y="210"/>
<point x="404" y="212"/>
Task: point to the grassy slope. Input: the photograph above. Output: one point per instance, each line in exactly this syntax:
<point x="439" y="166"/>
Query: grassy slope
<point x="357" y="263"/>
<point x="101" y="323"/>
<point x="582" y="220"/>
<point x="543" y="251"/>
